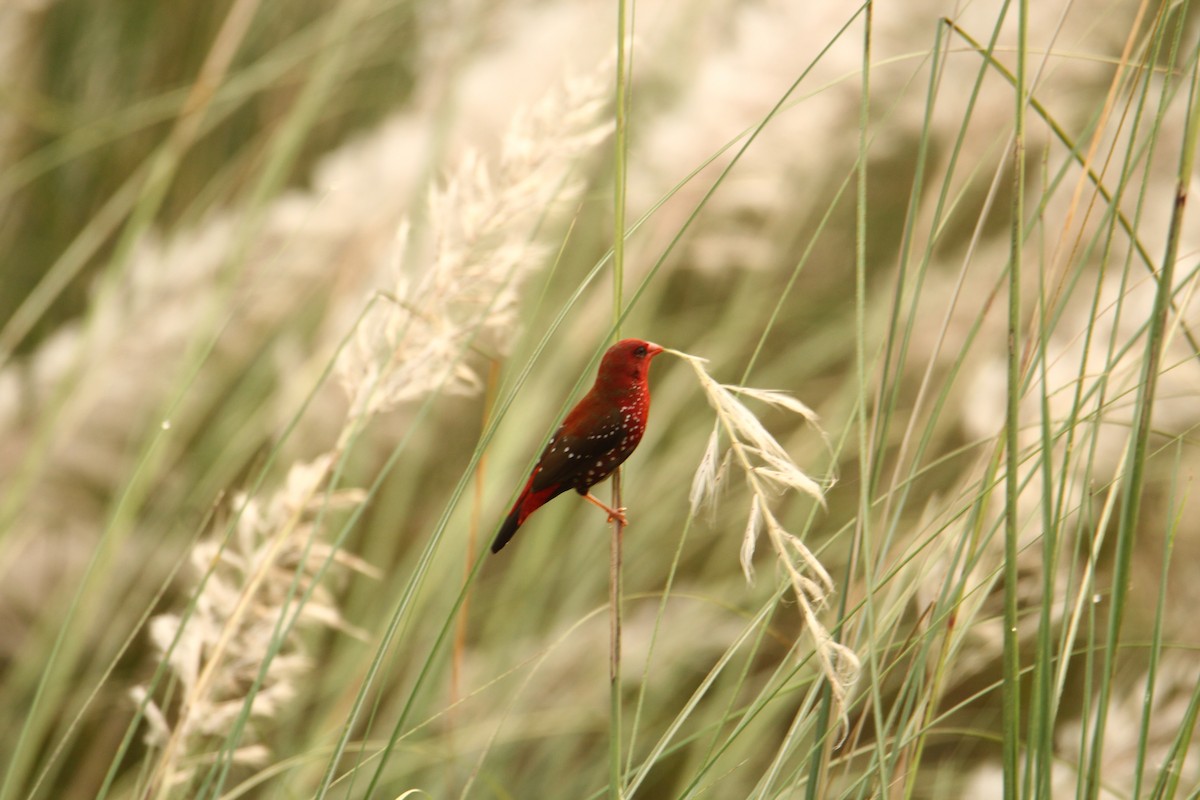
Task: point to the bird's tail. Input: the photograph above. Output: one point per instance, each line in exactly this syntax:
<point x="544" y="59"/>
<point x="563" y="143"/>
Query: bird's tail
<point x="529" y="501"/>
<point x="509" y="528"/>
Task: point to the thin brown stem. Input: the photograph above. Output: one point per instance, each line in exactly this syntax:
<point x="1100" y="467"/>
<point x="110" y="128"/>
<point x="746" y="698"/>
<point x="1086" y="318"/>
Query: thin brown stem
<point x="614" y="644"/>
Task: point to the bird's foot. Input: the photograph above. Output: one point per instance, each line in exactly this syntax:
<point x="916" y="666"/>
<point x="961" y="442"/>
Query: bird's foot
<point x="614" y="514"/>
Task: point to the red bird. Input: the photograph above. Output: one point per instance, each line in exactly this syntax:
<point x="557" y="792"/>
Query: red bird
<point x="596" y="437"/>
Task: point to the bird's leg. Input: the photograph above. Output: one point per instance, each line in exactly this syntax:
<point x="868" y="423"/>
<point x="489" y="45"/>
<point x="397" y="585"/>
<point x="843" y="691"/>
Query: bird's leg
<point x="613" y="513"/>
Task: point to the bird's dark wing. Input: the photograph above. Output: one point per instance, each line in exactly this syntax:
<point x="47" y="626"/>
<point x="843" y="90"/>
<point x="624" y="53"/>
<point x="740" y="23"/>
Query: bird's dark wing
<point x="572" y="453"/>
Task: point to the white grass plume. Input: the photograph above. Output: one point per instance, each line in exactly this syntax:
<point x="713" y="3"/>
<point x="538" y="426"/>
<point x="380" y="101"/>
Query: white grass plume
<point x="769" y="470"/>
<point x="217" y="650"/>
<point x="483" y="231"/>
<point x="483" y="243"/>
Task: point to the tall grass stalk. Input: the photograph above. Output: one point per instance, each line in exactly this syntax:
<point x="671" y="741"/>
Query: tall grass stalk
<point x="149" y="195"/>
<point x="615" y="588"/>
<point x="1012" y="424"/>
<point x="1132" y="486"/>
<point x="863" y="545"/>
<point x="305" y="247"/>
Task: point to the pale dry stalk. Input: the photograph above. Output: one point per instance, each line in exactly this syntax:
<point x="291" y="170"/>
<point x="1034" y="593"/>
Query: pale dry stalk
<point x="769" y="469"/>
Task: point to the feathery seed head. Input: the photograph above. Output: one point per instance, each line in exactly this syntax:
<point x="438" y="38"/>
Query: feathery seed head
<point x="457" y="283"/>
<point x="246" y="601"/>
<point x="767" y="466"/>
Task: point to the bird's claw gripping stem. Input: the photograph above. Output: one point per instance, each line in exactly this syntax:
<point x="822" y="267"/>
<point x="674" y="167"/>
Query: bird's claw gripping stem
<point x="617" y="514"/>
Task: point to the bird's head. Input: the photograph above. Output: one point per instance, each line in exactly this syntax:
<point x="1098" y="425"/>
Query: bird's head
<point x="627" y="362"/>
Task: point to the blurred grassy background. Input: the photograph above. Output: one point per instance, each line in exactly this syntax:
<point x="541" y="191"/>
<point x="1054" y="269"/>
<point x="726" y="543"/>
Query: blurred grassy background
<point x="199" y="203"/>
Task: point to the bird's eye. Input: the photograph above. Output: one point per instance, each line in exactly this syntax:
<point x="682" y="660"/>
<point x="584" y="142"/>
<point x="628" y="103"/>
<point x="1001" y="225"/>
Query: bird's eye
<point x="640" y="352"/>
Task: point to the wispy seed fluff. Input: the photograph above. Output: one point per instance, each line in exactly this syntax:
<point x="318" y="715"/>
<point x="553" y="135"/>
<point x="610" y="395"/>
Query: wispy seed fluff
<point x="768" y="470"/>
<point x="249" y="604"/>
<point x="458" y="282"/>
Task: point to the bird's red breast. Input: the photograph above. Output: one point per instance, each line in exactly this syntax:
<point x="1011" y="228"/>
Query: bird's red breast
<point x="597" y="435"/>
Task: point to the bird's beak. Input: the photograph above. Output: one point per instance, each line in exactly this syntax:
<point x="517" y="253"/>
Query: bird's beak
<point x="652" y="349"/>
